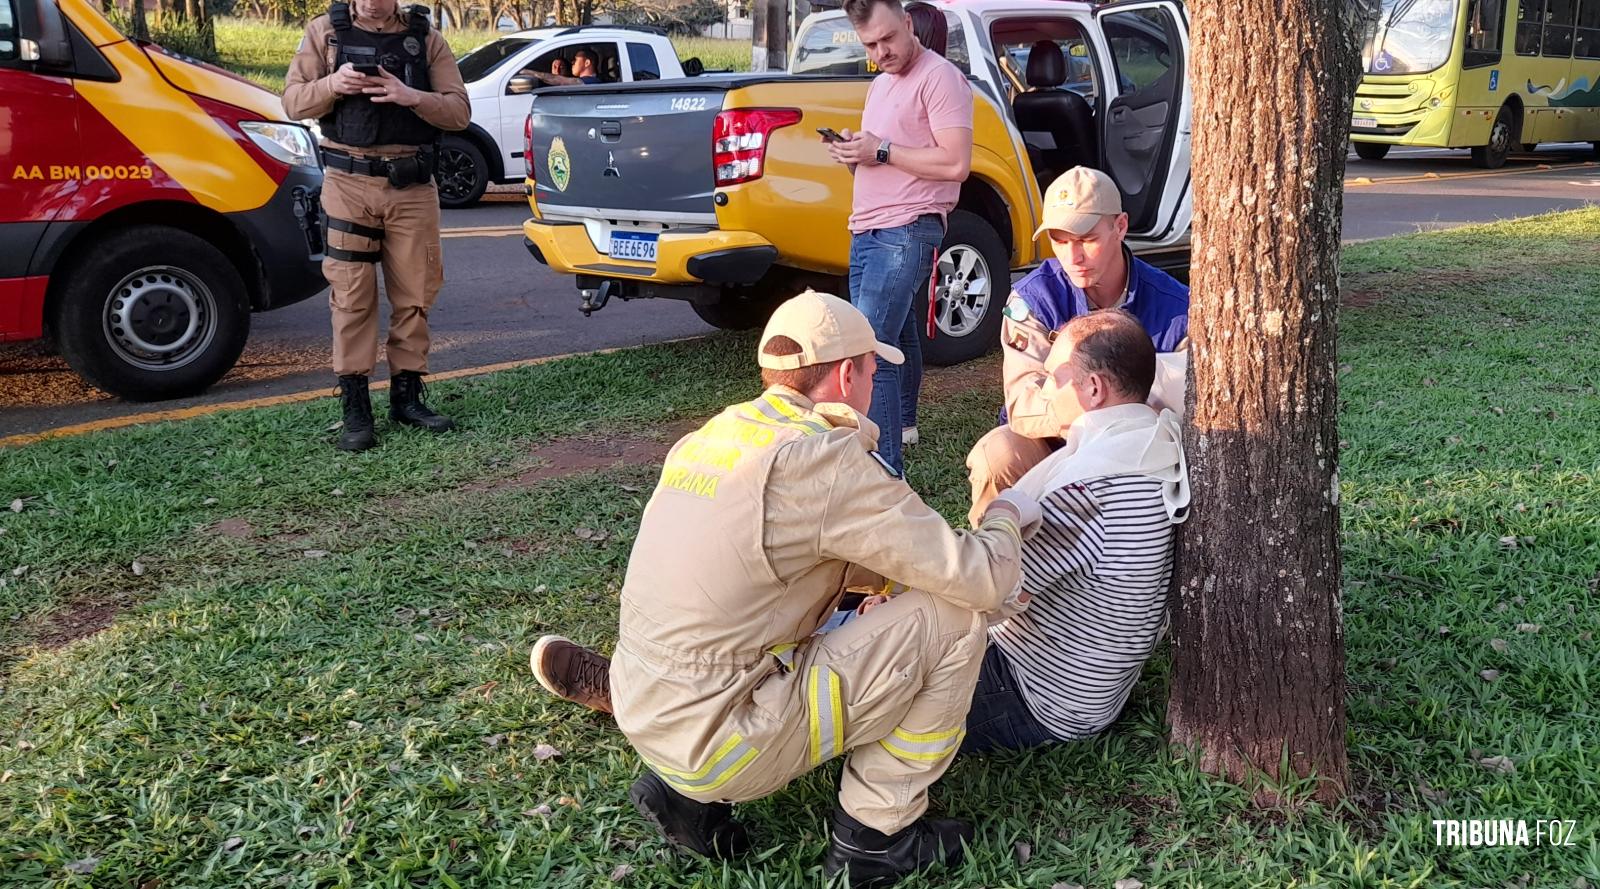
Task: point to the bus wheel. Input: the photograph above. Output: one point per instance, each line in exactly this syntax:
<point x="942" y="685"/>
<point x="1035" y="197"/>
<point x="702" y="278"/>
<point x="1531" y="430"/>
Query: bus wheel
<point x="1372" y="151"/>
<point x="1493" y="155"/>
<point x="152" y="312"/>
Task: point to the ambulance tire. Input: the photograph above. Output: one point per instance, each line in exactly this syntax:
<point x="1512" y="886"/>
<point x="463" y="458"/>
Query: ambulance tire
<point x="975" y="270"/>
<point x="463" y="173"/>
<point x="1372" y="151"/>
<point x="152" y="285"/>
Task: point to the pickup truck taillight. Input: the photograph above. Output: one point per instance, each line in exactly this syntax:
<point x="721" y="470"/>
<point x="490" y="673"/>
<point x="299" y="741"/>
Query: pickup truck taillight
<point x="527" y="144"/>
<point x="739" y="141"/>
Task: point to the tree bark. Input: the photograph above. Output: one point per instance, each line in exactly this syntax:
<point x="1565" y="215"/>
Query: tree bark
<point x="1258" y="655"/>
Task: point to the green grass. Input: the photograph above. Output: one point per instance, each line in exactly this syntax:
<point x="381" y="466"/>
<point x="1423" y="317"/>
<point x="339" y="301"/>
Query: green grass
<point x="261" y="50"/>
<point x="262" y="715"/>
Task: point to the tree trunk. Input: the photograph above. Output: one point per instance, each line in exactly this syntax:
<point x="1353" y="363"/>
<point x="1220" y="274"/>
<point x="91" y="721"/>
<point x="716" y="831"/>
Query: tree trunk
<point x="1258" y="656"/>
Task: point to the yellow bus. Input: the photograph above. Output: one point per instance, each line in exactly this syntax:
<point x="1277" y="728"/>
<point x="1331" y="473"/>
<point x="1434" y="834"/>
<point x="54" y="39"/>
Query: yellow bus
<point x="1489" y="75"/>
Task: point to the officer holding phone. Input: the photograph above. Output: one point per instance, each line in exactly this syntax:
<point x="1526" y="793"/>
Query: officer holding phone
<point x="383" y="85"/>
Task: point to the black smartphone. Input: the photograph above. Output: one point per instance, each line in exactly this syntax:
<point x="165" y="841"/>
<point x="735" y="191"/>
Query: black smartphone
<point x="369" y="70"/>
<point x="828" y="135"/>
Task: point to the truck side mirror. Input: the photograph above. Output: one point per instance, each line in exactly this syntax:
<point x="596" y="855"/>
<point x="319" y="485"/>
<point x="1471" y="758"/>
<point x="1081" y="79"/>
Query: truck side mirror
<point x="43" y="36"/>
<point x="521" y="85"/>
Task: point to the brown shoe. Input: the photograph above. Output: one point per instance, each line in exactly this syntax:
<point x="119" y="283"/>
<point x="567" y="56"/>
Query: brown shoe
<point x="572" y="672"/>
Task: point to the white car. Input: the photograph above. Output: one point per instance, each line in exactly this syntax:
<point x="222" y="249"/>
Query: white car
<point x="490" y="149"/>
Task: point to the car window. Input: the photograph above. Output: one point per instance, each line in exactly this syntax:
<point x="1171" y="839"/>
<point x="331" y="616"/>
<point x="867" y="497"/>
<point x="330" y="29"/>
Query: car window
<point x="643" y="60"/>
<point x="10" y="50"/>
<point x="832" y="47"/>
<point x="1138" y="48"/>
<point x="486" y="59"/>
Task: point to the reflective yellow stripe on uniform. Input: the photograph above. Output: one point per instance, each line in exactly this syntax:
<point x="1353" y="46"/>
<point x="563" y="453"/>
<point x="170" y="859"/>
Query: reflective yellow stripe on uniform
<point x="793" y="415"/>
<point x="825" y="706"/>
<point x="924" y="747"/>
<point x="729" y="760"/>
<point x="785" y="654"/>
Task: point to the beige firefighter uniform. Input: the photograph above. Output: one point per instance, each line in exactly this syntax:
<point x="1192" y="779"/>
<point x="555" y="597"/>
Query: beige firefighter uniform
<point x="761" y="520"/>
<point x="1032" y="430"/>
<point x="405" y="220"/>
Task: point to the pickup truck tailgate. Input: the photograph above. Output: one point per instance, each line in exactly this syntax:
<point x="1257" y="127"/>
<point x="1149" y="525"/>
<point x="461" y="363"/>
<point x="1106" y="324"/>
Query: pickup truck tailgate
<point x="647" y="150"/>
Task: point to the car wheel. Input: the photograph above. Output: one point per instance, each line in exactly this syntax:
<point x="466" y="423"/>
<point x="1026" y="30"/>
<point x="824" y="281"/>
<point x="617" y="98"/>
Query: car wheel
<point x="152" y="312"/>
<point x="972" y="283"/>
<point x="1493" y="155"/>
<point x="463" y="173"/>
<point x="1372" y="151"/>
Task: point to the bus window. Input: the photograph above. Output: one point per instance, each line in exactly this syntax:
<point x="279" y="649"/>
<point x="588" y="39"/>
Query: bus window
<point x="1485" y="29"/>
<point x="1530" y="26"/>
<point x="1558" y="20"/>
<point x="1586" y="45"/>
<point x="1411" y="36"/>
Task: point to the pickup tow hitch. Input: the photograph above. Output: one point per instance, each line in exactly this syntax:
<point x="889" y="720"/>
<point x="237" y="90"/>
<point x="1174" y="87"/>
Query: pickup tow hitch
<point x="595" y="300"/>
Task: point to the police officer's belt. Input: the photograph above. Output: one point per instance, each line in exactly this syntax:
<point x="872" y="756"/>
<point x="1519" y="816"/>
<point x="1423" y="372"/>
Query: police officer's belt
<point x="413" y="169"/>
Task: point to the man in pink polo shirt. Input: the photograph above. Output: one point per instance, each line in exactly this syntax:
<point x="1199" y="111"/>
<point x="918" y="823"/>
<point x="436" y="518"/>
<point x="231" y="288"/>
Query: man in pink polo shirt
<point x="909" y="160"/>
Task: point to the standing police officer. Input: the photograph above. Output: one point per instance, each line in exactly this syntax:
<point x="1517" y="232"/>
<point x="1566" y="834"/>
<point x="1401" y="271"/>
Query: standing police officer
<point x="384" y="86"/>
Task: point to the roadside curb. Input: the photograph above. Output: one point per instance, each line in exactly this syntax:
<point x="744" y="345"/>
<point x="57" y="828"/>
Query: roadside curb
<point x="189" y="413"/>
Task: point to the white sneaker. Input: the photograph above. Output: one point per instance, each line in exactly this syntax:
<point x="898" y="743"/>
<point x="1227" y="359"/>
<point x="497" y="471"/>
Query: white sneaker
<point x="908" y="436"/>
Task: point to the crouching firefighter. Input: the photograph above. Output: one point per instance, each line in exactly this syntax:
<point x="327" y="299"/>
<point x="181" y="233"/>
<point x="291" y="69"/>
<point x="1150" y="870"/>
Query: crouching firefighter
<point x="763" y="518"/>
<point x="383" y="86"/>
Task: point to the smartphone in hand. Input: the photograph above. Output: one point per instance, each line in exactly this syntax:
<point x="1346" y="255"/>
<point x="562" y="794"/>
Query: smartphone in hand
<point x="828" y="135"/>
<point x="369" y="70"/>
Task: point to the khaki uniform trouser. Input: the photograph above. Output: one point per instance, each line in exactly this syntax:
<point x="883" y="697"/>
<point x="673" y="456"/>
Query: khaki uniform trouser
<point x="999" y="460"/>
<point x="892" y="687"/>
<point x="413" y="270"/>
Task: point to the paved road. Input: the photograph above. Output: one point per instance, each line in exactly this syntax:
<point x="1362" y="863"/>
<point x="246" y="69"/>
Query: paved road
<point x="499" y="305"/>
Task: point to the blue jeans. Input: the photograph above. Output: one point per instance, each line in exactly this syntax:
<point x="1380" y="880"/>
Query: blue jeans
<point x="1000" y="718"/>
<point x="888" y="267"/>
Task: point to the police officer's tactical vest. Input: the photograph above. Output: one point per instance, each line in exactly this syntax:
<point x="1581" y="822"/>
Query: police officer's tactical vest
<point x="357" y="120"/>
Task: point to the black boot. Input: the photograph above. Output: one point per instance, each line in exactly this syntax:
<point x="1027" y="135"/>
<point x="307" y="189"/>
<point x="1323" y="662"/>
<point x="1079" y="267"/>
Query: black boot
<point x="406" y="407"/>
<point x="876" y="859"/>
<point x="703" y="828"/>
<point x="357" y="434"/>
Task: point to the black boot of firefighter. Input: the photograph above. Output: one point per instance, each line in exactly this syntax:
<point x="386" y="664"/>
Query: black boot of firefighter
<point x="357" y="434"/>
<point x="406" y="407"/>
<point x="871" y="858"/>
<point x="706" y="829"/>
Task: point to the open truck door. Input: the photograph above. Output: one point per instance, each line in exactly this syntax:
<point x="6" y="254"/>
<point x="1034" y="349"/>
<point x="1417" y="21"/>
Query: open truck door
<point x="1145" y="129"/>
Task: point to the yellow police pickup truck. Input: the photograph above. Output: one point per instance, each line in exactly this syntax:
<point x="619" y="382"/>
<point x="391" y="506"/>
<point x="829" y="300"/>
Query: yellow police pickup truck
<point x="718" y="190"/>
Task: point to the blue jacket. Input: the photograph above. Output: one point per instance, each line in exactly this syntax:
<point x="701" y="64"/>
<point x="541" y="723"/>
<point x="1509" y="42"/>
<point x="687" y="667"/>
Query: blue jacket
<point x="1157" y="299"/>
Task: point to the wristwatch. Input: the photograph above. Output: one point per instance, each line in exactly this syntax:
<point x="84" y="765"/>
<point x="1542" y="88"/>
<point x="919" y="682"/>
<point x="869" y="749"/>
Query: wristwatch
<point x="883" y="152"/>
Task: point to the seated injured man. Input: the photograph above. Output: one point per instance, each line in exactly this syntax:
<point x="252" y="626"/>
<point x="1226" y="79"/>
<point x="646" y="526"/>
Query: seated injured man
<point x="1095" y="574"/>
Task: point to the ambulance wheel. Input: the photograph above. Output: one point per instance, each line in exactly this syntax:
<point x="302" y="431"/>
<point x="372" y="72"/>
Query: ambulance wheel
<point x="152" y="312"/>
<point x="1493" y="155"/>
<point x="463" y="173"/>
<point x="1372" y="151"/>
<point x="973" y="283"/>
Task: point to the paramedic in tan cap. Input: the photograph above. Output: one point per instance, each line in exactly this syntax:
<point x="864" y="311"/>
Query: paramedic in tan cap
<point x="1092" y="270"/>
<point x="760" y="522"/>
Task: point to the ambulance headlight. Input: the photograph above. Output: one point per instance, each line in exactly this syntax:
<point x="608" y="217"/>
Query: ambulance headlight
<point x="290" y="143"/>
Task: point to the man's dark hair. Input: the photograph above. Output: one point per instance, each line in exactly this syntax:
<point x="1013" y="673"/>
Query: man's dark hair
<point x="588" y="54"/>
<point x="800" y="379"/>
<point x="1114" y="343"/>
<point x="859" y="11"/>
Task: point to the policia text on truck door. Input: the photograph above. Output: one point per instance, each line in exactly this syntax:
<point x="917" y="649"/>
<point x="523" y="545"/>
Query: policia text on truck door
<point x="148" y="203"/>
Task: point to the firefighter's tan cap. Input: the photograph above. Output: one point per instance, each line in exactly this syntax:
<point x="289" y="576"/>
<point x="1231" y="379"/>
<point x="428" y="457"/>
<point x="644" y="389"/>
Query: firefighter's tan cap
<point x="827" y="329"/>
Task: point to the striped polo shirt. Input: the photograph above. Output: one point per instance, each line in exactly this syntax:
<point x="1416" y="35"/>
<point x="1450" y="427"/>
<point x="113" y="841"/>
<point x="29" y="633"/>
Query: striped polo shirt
<point x="1097" y="571"/>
